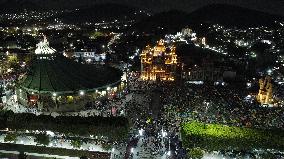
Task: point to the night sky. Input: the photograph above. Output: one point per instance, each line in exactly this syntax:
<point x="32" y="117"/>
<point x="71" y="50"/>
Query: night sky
<point x="270" y="6"/>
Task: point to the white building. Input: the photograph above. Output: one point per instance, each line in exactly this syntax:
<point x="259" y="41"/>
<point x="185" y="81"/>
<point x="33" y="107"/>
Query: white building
<point x="90" y="56"/>
<point x="44" y="48"/>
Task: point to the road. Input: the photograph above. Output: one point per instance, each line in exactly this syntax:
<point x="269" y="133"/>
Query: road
<point x="155" y="105"/>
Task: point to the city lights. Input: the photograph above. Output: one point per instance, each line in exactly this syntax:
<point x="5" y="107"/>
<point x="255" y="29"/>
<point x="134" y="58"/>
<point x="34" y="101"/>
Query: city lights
<point x="141" y="79"/>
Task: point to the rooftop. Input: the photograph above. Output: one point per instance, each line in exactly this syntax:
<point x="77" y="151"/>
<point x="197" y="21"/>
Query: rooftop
<point x="44" y="48"/>
<point x="62" y="75"/>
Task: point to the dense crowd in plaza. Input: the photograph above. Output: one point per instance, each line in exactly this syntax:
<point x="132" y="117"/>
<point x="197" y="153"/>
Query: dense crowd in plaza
<point x="159" y="134"/>
<point x="224" y="104"/>
<point x="220" y="104"/>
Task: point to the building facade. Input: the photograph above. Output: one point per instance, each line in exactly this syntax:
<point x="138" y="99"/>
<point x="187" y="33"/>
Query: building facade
<point x="265" y="91"/>
<point x="158" y="62"/>
<point x="89" y="56"/>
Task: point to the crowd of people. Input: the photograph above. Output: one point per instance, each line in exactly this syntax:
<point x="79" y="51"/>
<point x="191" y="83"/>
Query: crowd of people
<point x="220" y="104"/>
<point x="157" y="133"/>
<point x="156" y="110"/>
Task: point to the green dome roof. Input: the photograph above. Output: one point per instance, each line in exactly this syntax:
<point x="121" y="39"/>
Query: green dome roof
<point x="62" y="75"/>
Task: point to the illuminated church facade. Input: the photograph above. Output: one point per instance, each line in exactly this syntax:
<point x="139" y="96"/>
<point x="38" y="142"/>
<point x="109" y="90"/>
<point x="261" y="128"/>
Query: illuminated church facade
<point x="265" y="91"/>
<point x="158" y="62"/>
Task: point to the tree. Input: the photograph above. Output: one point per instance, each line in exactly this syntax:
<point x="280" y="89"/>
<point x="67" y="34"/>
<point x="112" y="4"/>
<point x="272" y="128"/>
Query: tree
<point x="268" y="155"/>
<point x="42" y="139"/>
<point x="195" y="153"/>
<point x="108" y="58"/>
<point x="22" y="155"/>
<point x="1" y="91"/>
<point x="28" y="59"/>
<point x="263" y="57"/>
<point x="76" y="143"/>
<point x="96" y="34"/>
<point x="4" y="65"/>
<point x="106" y="146"/>
<point x="80" y="60"/>
<point x="13" y="62"/>
<point x="11" y="137"/>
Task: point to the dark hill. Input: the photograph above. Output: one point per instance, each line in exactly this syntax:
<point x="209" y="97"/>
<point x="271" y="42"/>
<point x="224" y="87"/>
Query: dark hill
<point x="227" y="15"/>
<point x="101" y="12"/>
<point x="170" y="21"/>
<point x="15" y="6"/>
<point x="232" y="16"/>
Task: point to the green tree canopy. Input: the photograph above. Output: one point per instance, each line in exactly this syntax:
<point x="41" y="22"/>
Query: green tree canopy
<point x="42" y="139"/>
<point x="195" y="153"/>
<point x="76" y="143"/>
<point x="11" y="137"/>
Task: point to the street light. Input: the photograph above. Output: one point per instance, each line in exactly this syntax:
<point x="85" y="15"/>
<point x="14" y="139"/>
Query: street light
<point x="112" y="153"/>
<point x="164" y="133"/>
<point x="82" y="93"/>
<point x="140" y="132"/>
<point x="132" y="150"/>
<point x="169" y="153"/>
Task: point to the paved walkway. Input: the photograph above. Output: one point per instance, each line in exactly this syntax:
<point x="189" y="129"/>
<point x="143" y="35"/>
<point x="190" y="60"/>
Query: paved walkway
<point x="38" y="155"/>
<point x="56" y="141"/>
<point x="17" y="108"/>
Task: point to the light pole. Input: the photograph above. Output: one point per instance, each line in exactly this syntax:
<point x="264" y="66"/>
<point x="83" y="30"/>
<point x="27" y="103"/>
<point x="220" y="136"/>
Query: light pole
<point x="103" y="48"/>
<point x="169" y="152"/>
<point x="127" y="77"/>
<point x="164" y="134"/>
<point x="2" y="70"/>
<point x="140" y="132"/>
<point x="112" y="153"/>
<point x="132" y="150"/>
